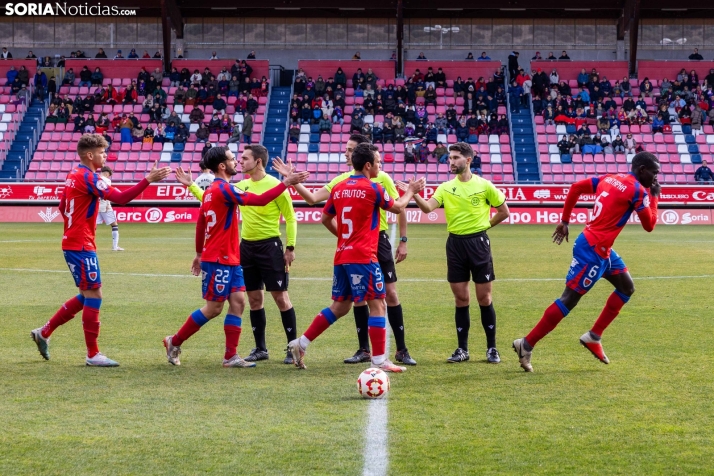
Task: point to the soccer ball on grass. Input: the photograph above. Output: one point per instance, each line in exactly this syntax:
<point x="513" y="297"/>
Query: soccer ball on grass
<point x="373" y="383"/>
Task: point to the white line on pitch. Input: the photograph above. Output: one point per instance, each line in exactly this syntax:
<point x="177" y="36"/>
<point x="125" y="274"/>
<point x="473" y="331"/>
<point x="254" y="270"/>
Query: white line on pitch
<point x="376" y="436"/>
<point x="408" y="280"/>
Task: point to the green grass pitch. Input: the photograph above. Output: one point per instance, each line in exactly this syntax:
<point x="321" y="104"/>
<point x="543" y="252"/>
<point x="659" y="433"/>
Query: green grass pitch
<point x="649" y="412"/>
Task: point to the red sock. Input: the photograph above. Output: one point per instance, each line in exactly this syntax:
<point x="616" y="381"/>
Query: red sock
<point x="90" y="324"/>
<point x="378" y="339"/>
<point x="189" y="328"/>
<point x="609" y="312"/>
<point x="232" y="328"/>
<point x="63" y="315"/>
<point x="321" y="322"/>
<point x="550" y="320"/>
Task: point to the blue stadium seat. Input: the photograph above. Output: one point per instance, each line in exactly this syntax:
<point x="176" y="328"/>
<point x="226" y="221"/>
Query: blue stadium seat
<point x="696" y="159"/>
<point x="689" y="139"/>
<point x="179" y="147"/>
<point x="314" y="129"/>
<point x="566" y="159"/>
<point x="313" y="148"/>
<point x="686" y="129"/>
<point x="175" y="156"/>
<point x="693" y="148"/>
<point x="570" y="129"/>
<point x="473" y="139"/>
<point x="315" y="138"/>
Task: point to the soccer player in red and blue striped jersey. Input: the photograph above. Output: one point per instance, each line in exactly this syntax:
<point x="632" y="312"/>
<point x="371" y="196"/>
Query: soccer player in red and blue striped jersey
<point x="79" y="206"/>
<point x="352" y="214"/>
<point x="617" y="196"/>
<point x="218" y="254"/>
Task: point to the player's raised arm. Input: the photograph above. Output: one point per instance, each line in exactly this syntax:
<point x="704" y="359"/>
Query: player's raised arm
<point x="155" y="175"/>
<point x="185" y="178"/>
<point x="311" y="198"/>
<point x="427" y="206"/>
<point x="328" y="216"/>
<point x="413" y="189"/>
<point x="647" y="208"/>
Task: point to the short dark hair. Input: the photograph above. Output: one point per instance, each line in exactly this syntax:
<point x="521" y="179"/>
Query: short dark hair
<point x="202" y="165"/>
<point x="646" y="159"/>
<point x="363" y="154"/>
<point x="259" y="153"/>
<point x="214" y="157"/>
<point x="359" y="138"/>
<point x="106" y="169"/>
<point x="462" y="148"/>
<point x="89" y="142"/>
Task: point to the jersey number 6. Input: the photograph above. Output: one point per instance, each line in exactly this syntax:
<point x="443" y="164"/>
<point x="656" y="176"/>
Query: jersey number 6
<point x="597" y="208"/>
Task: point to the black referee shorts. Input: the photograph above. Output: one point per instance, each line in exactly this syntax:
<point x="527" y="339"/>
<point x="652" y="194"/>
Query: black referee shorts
<point x="469" y="256"/>
<point x="262" y="263"/>
<point x="386" y="258"/>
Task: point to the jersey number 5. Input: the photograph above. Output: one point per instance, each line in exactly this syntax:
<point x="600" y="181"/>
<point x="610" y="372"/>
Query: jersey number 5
<point x="346" y="221"/>
<point x="597" y="208"/>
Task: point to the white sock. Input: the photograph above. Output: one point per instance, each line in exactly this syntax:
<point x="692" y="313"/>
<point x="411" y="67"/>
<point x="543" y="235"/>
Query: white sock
<point x="115" y="238"/>
<point x="304" y="342"/>
<point x="379" y="359"/>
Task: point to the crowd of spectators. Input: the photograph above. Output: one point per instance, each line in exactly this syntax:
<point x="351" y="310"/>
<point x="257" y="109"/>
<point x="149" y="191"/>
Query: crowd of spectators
<point x="403" y="107"/>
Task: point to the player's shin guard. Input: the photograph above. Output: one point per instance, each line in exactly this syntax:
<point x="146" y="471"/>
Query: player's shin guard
<point x="396" y="322"/>
<point x="232" y="328"/>
<point x="192" y="325"/>
<point x="289" y="323"/>
<point x="257" y="323"/>
<point x="550" y="320"/>
<point x="320" y="324"/>
<point x="488" y="321"/>
<point x="378" y="336"/>
<point x="612" y="308"/>
<point x="63" y="315"/>
<point x="115" y="237"/>
<point x="463" y="323"/>
<point x="90" y="324"/>
<point x="361" y="317"/>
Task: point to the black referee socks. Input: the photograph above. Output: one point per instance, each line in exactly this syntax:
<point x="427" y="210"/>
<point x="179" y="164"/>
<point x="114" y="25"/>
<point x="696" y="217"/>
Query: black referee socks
<point x="463" y="323"/>
<point x="257" y="322"/>
<point x="396" y="322"/>
<point x="488" y="320"/>
<point x="289" y="323"/>
<point x="361" y="318"/>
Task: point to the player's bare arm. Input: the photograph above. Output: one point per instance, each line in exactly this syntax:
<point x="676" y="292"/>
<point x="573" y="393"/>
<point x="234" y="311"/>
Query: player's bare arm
<point x="184" y="177"/>
<point x="501" y="214"/>
<point x="577" y="189"/>
<point x="328" y="222"/>
<point x="401" y="253"/>
<point x="158" y="174"/>
<point x="413" y="189"/>
<point x="561" y="232"/>
<point x="311" y="198"/>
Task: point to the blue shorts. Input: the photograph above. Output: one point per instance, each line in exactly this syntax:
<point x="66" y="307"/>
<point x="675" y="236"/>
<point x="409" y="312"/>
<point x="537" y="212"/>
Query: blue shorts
<point x="588" y="267"/>
<point x="220" y="280"/>
<point x="84" y="267"/>
<point x="358" y="282"/>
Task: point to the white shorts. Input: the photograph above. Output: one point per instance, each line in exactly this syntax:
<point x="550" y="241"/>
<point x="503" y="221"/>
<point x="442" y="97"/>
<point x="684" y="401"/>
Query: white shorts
<point x="106" y="218"/>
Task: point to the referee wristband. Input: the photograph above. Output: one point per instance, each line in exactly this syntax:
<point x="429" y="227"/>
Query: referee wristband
<point x="290" y="248"/>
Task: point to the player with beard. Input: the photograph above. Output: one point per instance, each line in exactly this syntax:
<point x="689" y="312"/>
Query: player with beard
<point x="384" y="255"/>
<point x="467" y="200"/>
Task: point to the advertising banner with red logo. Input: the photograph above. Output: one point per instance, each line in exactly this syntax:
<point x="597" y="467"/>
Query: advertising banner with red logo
<point x="177" y="194"/>
<point x="519" y="215"/>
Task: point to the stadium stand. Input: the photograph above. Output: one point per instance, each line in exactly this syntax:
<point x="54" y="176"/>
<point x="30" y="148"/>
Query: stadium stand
<point x="321" y="147"/>
<point x="54" y="155"/>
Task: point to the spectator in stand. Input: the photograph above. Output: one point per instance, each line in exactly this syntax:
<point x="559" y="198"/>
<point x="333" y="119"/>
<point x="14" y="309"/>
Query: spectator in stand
<point x="12" y="74"/>
<point x="564" y="145"/>
<point x="146" y="55"/>
<point x="30" y="55"/>
<point x="441" y="153"/>
<point x="421" y="56"/>
<point x="484" y="57"/>
<point x="219" y="104"/>
<point x="537" y="57"/>
<point x="46" y="62"/>
<point x="248" y="128"/>
<point x="625" y="87"/>
<point x="325" y="124"/>
<point x="85" y="77"/>
<point x="564" y="56"/>
<point x="476" y="164"/>
<point x="181" y="135"/>
<point x="202" y="133"/>
<point x="23" y="75"/>
<point x="470" y="56"/>
<point x="97" y="77"/>
<point x="340" y="78"/>
<point x="657" y="124"/>
<point x="133" y="54"/>
<point x="101" y="54"/>
<point x="356" y="56"/>
<point x="583" y="78"/>
<point x="696" y="56"/>
<point x="697" y="120"/>
<point x="125" y="127"/>
<point x="118" y="55"/>
<point x="554" y="78"/>
<point x="516" y="96"/>
<point x="5" y="54"/>
<point x="251" y="55"/>
<point x="630" y="144"/>
<point x="513" y="64"/>
<point x="704" y="173"/>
